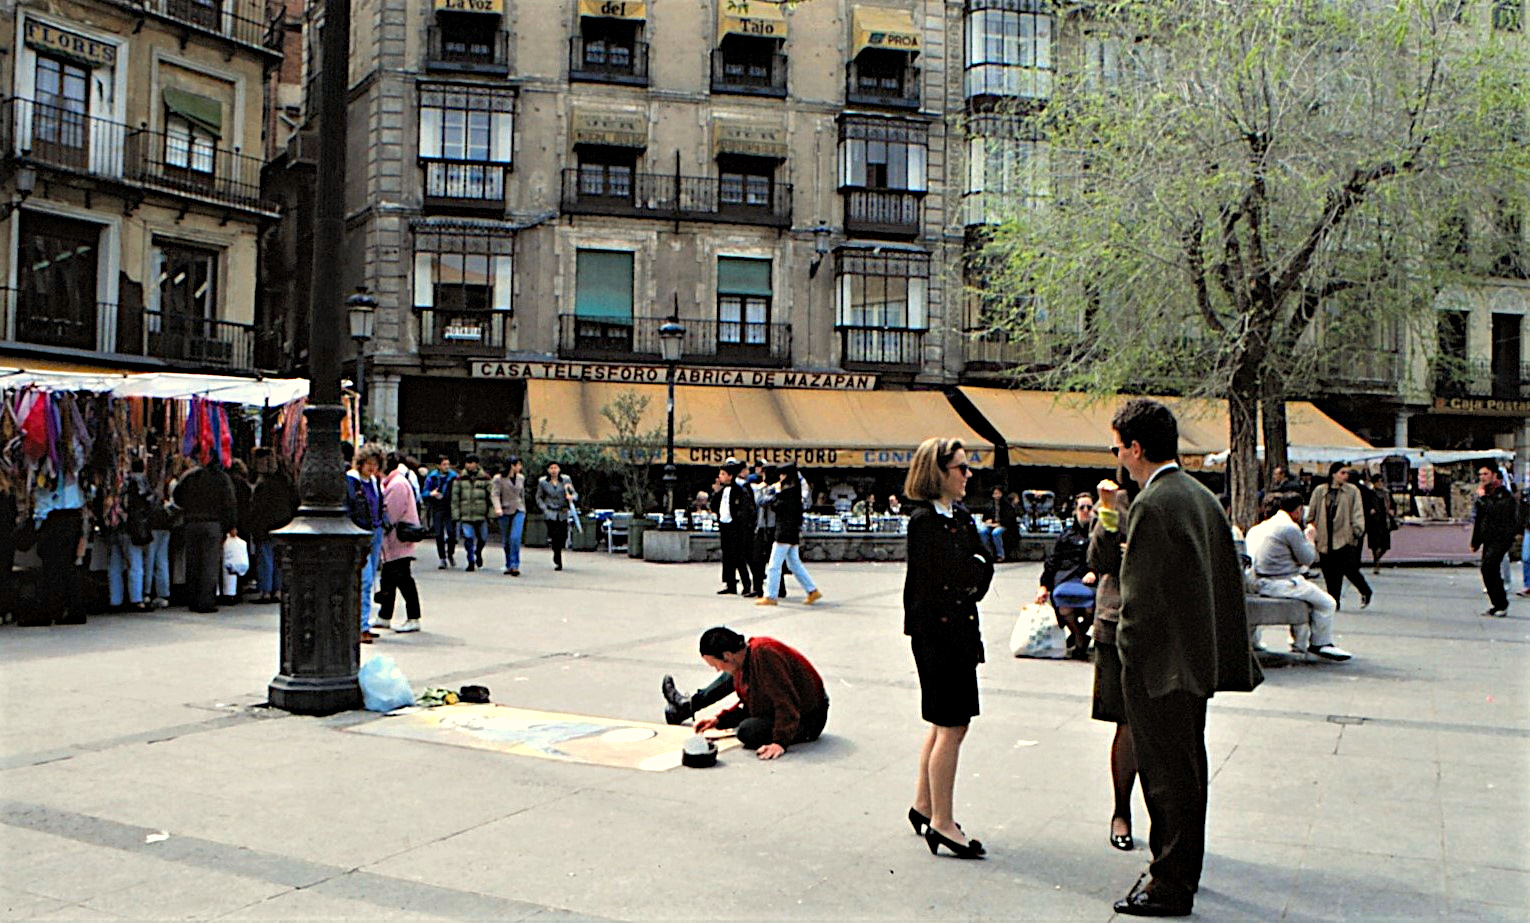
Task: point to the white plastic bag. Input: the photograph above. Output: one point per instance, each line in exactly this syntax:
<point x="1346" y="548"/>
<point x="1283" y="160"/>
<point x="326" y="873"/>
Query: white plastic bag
<point x="383" y="686"/>
<point x="236" y="563"/>
<point x="1037" y="634"/>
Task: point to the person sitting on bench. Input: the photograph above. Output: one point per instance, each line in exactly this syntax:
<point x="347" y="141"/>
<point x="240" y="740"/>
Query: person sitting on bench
<point x="1281" y="551"/>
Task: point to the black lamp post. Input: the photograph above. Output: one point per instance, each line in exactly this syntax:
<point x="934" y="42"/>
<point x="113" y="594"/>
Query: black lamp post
<point x="671" y="339"/>
<point x="322" y="552"/>
<point x="361" y="313"/>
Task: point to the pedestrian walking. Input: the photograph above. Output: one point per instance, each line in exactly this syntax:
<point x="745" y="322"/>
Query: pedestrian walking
<point x="733" y="504"/>
<point x="1177" y="648"/>
<point x="397" y="575"/>
<point x="948" y="573"/>
<point x="509" y="496"/>
<point x="1104" y="561"/>
<point x="437" y="490"/>
<point x="787" y="503"/>
<point x="206" y="498"/>
<point x="1338" y="511"/>
<point x="1380" y="519"/>
<point x="1495" y="523"/>
<point x="762" y="483"/>
<point x="471" y="508"/>
<point x="556" y="497"/>
<point x="365" y="508"/>
<point x="273" y="505"/>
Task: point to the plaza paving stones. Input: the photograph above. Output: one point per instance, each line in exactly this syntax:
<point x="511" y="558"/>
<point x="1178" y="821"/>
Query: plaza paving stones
<point x="1393" y="787"/>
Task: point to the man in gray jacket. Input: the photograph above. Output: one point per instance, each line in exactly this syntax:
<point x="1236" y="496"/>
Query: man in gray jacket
<point x="1281" y="551"/>
<point x="555" y="498"/>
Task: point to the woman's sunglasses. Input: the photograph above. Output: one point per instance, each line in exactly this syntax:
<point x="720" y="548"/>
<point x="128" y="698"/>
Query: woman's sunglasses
<point x="963" y="468"/>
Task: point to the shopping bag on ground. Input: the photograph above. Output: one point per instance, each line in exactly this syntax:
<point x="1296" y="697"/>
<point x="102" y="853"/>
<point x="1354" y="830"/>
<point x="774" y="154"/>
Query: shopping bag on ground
<point x="383" y="686"/>
<point x="1037" y="634"/>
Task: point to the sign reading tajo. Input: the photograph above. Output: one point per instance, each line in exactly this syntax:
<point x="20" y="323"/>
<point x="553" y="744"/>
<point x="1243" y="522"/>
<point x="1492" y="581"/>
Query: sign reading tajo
<point x="655" y="375"/>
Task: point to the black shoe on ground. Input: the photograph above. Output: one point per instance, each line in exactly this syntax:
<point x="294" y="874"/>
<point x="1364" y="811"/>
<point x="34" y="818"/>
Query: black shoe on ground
<point x="1495" y="613"/>
<point x="1143" y="904"/>
<point x="471" y="567"/>
<point x="1365" y="600"/>
<point x="443" y="565"/>
<point x="727" y="591"/>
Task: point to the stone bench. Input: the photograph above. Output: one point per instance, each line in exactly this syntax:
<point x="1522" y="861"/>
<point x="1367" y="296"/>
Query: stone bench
<point x="1263" y="610"/>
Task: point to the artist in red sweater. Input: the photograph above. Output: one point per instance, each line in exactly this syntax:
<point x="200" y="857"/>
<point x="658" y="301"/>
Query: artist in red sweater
<point x="781" y="699"/>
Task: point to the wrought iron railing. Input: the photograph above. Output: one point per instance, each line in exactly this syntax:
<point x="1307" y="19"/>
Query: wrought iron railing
<point x="881" y="347"/>
<point x="708" y="341"/>
<point x="243" y="21"/>
<point x="447" y="50"/>
<point x="452" y="332"/>
<point x="603" y="61"/>
<point x="476" y="185"/>
<point x="883" y="212"/>
<point x="32" y="318"/>
<point x="200" y="341"/>
<point x="881" y="88"/>
<point x="66" y="139"/>
<point x="750" y="75"/>
<point x="674" y="198"/>
<point x="1481" y="378"/>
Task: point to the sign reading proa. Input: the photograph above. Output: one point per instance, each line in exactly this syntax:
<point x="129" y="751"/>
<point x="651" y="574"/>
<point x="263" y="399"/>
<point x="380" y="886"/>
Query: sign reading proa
<point x="1483" y="407"/>
<point x="50" y="40"/>
<point x="655" y="375"/>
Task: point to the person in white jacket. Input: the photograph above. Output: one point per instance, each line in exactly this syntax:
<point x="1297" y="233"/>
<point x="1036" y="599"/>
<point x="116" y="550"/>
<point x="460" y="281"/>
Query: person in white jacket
<point x="1281" y="550"/>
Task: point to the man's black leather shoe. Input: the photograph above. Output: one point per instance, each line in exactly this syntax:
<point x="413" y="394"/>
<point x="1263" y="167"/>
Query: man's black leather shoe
<point x="1143" y="904"/>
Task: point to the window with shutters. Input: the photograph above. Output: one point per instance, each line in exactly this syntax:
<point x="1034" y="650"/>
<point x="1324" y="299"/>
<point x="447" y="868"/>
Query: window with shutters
<point x="466" y="146"/>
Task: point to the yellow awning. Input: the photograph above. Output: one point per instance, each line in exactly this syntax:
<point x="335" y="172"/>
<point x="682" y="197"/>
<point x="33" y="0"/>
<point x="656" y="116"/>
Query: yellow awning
<point x="614" y="9"/>
<point x="753" y="18"/>
<point x="755" y="139"/>
<point x="816" y="429"/>
<point x="878" y="27"/>
<point x="611" y="129"/>
<point x="1073" y="430"/>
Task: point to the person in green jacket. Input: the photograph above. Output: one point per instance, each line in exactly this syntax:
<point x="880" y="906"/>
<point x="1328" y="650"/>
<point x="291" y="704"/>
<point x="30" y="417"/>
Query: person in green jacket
<point x="471" y="506"/>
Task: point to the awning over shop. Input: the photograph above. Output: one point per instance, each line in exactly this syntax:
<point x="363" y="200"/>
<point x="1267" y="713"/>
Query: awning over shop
<point x="816" y="429"/>
<point x="753" y="18"/>
<point x="878" y="27"/>
<point x="1073" y="430"/>
<point x="614" y="9"/>
<point x="225" y="388"/>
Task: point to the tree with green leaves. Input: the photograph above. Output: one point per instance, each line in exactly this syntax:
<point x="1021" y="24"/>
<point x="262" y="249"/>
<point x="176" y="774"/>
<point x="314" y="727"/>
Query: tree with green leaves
<point x="1228" y="179"/>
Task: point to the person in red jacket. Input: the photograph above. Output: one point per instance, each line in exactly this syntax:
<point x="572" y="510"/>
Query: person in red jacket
<point x="781" y="699"/>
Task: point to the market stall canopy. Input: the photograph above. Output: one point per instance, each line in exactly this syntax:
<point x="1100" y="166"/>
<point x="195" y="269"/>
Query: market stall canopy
<point x="1321" y="455"/>
<point x="225" y="388"/>
<point x="816" y="429"/>
<point x="1046" y="428"/>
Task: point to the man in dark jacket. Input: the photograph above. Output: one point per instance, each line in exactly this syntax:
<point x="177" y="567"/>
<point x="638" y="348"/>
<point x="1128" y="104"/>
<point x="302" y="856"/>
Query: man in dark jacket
<point x="1496" y="520"/>
<point x="273" y="504"/>
<point x="206" y="497"/>
<point x="1182" y="636"/>
<point x="734" y="506"/>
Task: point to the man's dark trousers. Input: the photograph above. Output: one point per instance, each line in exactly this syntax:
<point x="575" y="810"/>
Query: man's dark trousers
<point x="735" y="555"/>
<point x="759" y="554"/>
<point x="58" y="583"/>
<point x="446" y="533"/>
<point x="1169" y="732"/>
<point x="1340" y="563"/>
<point x="204" y="564"/>
<point x="1492" y="573"/>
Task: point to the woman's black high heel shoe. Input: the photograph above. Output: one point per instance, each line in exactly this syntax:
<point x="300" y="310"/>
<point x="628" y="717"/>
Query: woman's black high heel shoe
<point x="934" y="840"/>
<point x="918" y="821"/>
<point x="1124" y="841"/>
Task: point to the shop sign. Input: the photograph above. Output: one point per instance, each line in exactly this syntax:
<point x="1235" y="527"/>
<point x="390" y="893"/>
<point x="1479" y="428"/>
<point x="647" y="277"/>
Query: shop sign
<point x="1482" y="406"/>
<point x="758" y="18"/>
<point x="614" y="9"/>
<point x="461" y="333"/>
<point x="656" y="375"/>
<point x="809" y="458"/>
<point x="471" y="6"/>
<point x="749" y="138"/>
<point x="50" y="40"/>
<point x="615" y="129"/>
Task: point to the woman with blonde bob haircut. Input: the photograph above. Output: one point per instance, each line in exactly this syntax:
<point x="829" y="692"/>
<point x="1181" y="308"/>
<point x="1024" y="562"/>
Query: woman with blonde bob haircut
<point x="948" y="572"/>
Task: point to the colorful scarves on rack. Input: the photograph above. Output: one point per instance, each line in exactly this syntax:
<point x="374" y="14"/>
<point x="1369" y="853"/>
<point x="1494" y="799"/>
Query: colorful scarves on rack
<point x="207" y="432"/>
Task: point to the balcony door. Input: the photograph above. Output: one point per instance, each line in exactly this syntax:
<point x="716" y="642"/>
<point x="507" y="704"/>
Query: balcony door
<point x="58" y="265"/>
<point x="1506" y="355"/>
<point x="61" y="114"/>
<point x="183" y="326"/>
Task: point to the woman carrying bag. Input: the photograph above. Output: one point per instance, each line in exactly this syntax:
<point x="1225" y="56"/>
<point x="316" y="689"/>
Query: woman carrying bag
<point x="948" y="572"/>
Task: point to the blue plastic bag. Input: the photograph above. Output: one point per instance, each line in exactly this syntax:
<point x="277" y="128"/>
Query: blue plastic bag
<point x="383" y="686"/>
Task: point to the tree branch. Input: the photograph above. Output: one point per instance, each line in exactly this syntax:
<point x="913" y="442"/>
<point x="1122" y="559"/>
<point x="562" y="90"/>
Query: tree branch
<point x="1195" y="267"/>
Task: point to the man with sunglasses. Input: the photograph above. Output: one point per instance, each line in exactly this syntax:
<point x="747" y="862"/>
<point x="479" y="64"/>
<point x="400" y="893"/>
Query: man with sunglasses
<point x="1182" y="636"/>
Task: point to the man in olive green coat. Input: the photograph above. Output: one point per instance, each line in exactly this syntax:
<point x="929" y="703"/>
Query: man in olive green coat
<point x="1183" y="636"/>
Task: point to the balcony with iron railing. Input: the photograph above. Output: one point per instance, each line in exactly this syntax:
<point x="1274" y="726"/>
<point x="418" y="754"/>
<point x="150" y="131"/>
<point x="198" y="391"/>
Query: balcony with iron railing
<point x="675" y="198"/>
<point x="236" y="20"/>
<point x="604" y="61"/>
<point x="895" y="89"/>
<point x="59" y="138"/>
<point x="1455" y="377"/>
<point x="1359" y="371"/>
<point x="450" y="50"/>
<point x="448" y="332"/>
<point x="894" y="213"/>
<point x="748" y="75"/>
<point x="464" y="186"/>
<point x="881" y="348"/>
<point x="708" y="341"/>
<point x="199" y="341"/>
<point x="994" y="349"/>
<point x="180" y="341"/>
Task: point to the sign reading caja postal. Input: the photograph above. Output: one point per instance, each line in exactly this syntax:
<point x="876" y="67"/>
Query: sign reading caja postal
<point x="655" y="375"/>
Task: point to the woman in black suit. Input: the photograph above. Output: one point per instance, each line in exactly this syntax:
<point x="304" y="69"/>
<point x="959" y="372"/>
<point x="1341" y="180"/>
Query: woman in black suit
<point x="948" y="572"/>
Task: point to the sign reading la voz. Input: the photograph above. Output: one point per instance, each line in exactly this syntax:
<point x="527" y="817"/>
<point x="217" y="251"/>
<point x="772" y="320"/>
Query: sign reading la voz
<point x="655" y="375"/>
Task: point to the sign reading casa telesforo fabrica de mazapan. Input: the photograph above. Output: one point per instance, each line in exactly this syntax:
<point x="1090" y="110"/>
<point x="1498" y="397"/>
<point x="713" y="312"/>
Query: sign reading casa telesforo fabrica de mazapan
<point x="656" y="375"/>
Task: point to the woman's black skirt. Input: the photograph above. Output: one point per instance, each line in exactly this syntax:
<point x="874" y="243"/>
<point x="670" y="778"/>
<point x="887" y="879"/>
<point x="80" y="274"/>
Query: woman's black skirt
<point x="948" y="689"/>
<point x="1109" y="702"/>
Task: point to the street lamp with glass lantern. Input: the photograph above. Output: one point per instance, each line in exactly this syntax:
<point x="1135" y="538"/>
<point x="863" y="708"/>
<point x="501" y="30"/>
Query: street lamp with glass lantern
<point x="361" y="313"/>
<point x="671" y="339"/>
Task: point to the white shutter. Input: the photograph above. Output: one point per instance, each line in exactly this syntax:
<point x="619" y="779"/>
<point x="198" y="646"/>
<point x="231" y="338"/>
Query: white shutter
<point x="502" y="141"/>
<point x="503" y="279"/>
<point x="916" y="178"/>
<point x="424" y="280"/>
<point x="917" y="312"/>
<point x="430" y="132"/>
<point x="844" y="307"/>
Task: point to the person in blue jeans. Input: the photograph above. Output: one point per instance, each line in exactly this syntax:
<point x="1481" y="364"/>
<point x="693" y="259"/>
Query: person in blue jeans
<point x="508" y="494"/>
<point x="437" y="494"/>
<point x="364" y="506"/>
<point x="273" y="504"/>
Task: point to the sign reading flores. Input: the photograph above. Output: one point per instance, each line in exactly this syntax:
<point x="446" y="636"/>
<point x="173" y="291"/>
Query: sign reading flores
<point x="655" y="375"/>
